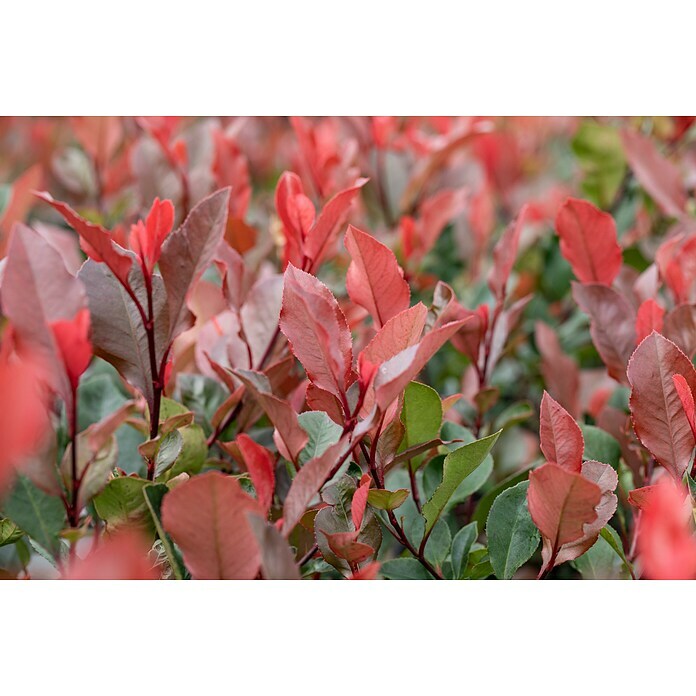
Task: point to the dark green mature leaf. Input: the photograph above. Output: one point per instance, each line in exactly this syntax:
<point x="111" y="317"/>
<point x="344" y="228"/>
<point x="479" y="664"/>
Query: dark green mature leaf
<point x="600" y="446"/>
<point x="404" y="569"/>
<point x="461" y="545"/>
<point x="187" y="252"/>
<point x="322" y="433"/>
<point x="438" y="545"/>
<point x="484" y="505"/>
<point x="512" y="536"/>
<point x="9" y="532"/>
<point x="600" y="562"/>
<point x="422" y="417"/>
<point x="457" y="466"/>
<point x="36" y="513"/>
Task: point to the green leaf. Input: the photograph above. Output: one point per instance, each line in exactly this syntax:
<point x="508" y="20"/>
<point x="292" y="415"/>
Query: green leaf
<point x="421" y="416"/>
<point x="5" y="195"/>
<point x="36" y="513"/>
<point x="484" y="505"/>
<point x="457" y="466"/>
<point x="610" y="535"/>
<point x="322" y="433"/>
<point x="9" y="532"/>
<point x="461" y="545"/>
<point x="514" y="415"/>
<point x="153" y="494"/>
<point x="512" y="536"/>
<point x="386" y="500"/>
<point x="404" y="569"/>
<point x="195" y="447"/>
<point x="122" y="503"/>
<point x="438" y="545"/>
<point x="600" y="154"/>
<point x="170" y="447"/>
<point x="600" y="562"/>
<point x="600" y="446"/>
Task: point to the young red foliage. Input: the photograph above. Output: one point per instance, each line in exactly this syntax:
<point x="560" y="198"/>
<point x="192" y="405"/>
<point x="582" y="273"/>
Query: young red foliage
<point x="561" y="437"/>
<point x="317" y="331"/>
<point x="146" y="238"/>
<point x="207" y="518"/>
<point x="123" y="556"/>
<point x="588" y="241"/>
<point x="687" y="400"/>
<point x="650" y="318"/>
<point x="505" y="255"/>
<point x="658" y="416"/>
<point x="72" y="337"/>
<point x="374" y="279"/>
<point x="261" y="466"/>
<point x="357" y="509"/>
<point x="666" y="544"/>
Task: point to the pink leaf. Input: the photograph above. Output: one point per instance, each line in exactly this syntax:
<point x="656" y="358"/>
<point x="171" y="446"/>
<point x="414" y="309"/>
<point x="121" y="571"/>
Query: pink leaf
<point x="588" y="241"/>
<point x="374" y="280"/>
<point x="72" y="338"/>
<point x="123" y="556"/>
<point x="658" y="176"/>
<point x="561" y="503"/>
<point x="360" y="501"/>
<point x="687" y="399"/>
<point x="261" y="467"/>
<point x="188" y="251"/>
<point x="658" y="416"/>
<point x="505" y="254"/>
<point x="397" y="334"/>
<point x="649" y="318"/>
<point x="346" y="546"/>
<point x="612" y="325"/>
<point x="561" y="372"/>
<point x="97" y="242"/>
<point x="207" y="518"/>
<point x="317" y="331"/>
<point x="561" y="437"/>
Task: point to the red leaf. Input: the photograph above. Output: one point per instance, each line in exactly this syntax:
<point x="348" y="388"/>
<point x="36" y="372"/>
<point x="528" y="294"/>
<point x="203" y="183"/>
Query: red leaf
<point x="658" y="176"/>
<point x="37" y="290"/>
<point x="588" y="241"/>
<point x="680" y="328"/>
<point x="97" y="242"/>
<point x="72" y="337"/>
<point x="395" y="374"/>
<point x="291" y="435"/>
<point x="24" y="417"/>
<point x="317" y="331"/>
<point x="368" y="572"/>
<point x="607" y="480"/>
<point x="123" y="556"/>
<point x="666" y="544"/>
<point x="188" y="251"/>
<point x="374" y="279"/>
<point x="323" y="234"/>
<point x="561" y="503"/>
<point x="346" y="546"/>
<point x="561" y="372"/>
<point x="207" y="518"/>
<point x="277" y="559"/>
<point x="649" y="318"/>
<point x="397" y="334"/>
<point x="308" y="482"/>
<point x="612" y="325"/>
<point x="658" y="416"/>
<point x="561" y="437"/>
<point x="360" y="501"/>
<point x="20" y="201"/>
<point x="505" y="254"/>
<point x="146" y="238"/>
<point x="261" y="467"/>
<point x="687" y="399"/>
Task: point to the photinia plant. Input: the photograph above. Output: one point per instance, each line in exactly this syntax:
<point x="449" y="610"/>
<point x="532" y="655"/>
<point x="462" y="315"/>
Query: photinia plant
<point x="394" y="348"/>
